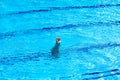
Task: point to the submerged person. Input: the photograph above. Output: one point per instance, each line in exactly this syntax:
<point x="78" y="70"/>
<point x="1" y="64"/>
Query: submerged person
<point x="55" y="51"/>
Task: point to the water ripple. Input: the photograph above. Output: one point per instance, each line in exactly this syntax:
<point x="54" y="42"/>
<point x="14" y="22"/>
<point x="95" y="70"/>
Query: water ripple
<point x="99" y="46"/>
<point x="36" y="55"/>
<point x="48" y="29"/>
<point x="65" y="8"/>
<point x="105" y="74"/>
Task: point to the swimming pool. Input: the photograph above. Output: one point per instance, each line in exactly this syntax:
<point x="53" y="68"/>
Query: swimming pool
<point x="90" y="33"/>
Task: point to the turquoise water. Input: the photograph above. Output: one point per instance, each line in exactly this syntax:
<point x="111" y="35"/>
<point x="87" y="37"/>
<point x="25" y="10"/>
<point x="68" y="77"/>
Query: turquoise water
<point x="90" y="33"/>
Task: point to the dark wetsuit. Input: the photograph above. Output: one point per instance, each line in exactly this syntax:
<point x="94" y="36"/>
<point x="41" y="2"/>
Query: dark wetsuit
<point x="55" y="50"/>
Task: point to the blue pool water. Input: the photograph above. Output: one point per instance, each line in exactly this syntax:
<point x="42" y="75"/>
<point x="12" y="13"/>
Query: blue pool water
<point x="90" y="33"/>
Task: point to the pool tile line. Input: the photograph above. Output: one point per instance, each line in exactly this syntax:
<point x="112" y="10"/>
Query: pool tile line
<point x="24" y="58"/>
<point x="99" y="46"/>
<point x="98" y="77"/>
<point x="109" y="71"/>
<point x="48" y="9"/>
<point x="36" y="55"/>
<point x="48" y="29"/>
